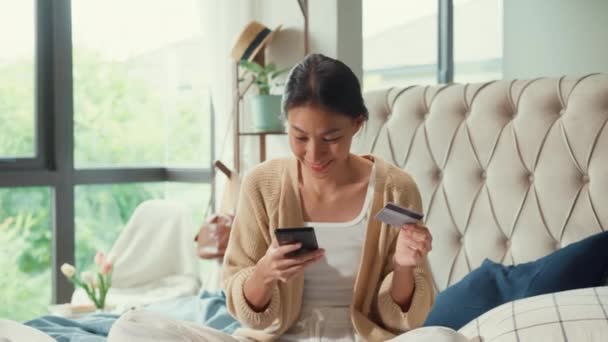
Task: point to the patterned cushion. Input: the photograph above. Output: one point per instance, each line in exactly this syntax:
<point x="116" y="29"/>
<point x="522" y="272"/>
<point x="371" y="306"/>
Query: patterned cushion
<point x="577" y="315"/>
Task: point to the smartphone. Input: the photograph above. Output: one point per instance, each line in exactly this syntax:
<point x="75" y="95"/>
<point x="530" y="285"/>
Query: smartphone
<point x="397" y="216"/>
<point x="304" y="235"/>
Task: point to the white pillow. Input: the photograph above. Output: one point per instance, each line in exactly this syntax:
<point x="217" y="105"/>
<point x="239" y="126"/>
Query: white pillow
<point x="15" y="331"/>
<point x="576" y="315"/>
<point x="432" y="334"/>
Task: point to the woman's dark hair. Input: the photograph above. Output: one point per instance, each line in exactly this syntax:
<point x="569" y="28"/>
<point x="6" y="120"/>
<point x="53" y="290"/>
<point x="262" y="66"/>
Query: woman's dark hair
<point x="325" y="82"/>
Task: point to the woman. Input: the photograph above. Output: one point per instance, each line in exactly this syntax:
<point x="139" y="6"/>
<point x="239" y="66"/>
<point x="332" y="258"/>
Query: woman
<point x="368" y="281"/>
<point x="366" y="272"/>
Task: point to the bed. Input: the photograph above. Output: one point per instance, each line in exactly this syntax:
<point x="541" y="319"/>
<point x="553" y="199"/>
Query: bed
<point x="508" y="170"/>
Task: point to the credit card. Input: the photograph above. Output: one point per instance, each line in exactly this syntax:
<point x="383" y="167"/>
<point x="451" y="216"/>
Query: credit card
<point x="398" y="216"/>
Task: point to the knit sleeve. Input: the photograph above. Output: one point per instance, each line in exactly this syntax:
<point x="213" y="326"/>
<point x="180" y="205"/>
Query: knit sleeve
<point x="249" y="240"/>
<point x="407" y="194"/>
<point x="422" y="299"/>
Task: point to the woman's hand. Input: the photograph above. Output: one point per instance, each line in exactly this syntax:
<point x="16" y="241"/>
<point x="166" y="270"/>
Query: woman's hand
<point x="276" y="266"/>
<point x="272" y="267"/>
<point x="413" y="244"/>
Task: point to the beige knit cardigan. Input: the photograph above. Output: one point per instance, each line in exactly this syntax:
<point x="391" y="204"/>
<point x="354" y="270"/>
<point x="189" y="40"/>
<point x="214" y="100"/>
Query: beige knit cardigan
<point x="270" y="199"/>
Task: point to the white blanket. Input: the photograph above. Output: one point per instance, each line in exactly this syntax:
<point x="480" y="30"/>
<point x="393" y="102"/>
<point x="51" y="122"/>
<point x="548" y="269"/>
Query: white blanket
<point x="157" y="242"/>
<point x="154" y="257"/>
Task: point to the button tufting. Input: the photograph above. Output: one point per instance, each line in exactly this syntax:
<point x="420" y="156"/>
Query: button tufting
<point x="461" y="240"/>
<point x="484" y="174"/>
<point x="425" y="116"/>
<point x="585" y="178"/>
<point x="531" y="177"/>
<point x="439" y="174"/>
<point x="508" y="243"/>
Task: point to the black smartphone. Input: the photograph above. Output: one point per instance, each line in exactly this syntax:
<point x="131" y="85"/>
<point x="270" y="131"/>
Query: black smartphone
<point x="304" y="235"/>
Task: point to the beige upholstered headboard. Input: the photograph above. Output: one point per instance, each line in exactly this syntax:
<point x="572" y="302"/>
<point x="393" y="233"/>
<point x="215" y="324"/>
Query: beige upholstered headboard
<point x="508" y="170"/>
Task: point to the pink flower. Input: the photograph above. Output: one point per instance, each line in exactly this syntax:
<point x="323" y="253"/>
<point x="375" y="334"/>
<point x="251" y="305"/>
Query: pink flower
<point x="99" y="258"/>
<point x="107" y="267"/>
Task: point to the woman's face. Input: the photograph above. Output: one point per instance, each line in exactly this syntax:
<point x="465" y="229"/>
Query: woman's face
<point x="320" y="139"/>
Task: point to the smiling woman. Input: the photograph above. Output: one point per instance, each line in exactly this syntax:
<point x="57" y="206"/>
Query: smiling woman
<point x="324" y="110"/>
<point x="326" y="141"/>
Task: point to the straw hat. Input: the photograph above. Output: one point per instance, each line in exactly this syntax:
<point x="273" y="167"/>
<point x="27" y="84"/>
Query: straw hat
<point x="252" y="39"/>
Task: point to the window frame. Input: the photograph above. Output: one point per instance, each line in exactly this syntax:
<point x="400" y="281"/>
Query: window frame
<point x="444" y="67"/>
<point x="53" y="163"/>
<point x="445" y="41"/>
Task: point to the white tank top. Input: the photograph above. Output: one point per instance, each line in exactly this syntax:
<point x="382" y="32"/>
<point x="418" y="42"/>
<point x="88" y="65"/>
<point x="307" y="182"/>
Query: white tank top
<point x="329" y="283"/>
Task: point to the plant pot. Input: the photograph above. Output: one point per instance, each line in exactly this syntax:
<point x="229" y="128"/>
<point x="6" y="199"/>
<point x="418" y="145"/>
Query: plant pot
<point x="266" y="112"/>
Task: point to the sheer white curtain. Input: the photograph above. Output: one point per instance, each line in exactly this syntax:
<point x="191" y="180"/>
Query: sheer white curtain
<point x="222" y="21"/>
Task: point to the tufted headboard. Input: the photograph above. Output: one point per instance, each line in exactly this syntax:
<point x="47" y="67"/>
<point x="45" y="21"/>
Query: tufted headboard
<point x="508" y="170"/>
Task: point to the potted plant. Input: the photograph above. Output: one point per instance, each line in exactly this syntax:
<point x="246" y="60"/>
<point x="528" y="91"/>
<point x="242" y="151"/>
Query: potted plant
<point x="265" y="107"/>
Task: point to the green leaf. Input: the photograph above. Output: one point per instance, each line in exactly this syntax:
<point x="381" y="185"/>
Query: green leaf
<point x="252" y="67"/>
<point x="263" y="76"/>
<point x="279" y="72"/>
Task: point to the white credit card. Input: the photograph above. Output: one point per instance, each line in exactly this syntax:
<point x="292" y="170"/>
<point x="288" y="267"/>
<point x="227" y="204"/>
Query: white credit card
<point x="398" y="216"/>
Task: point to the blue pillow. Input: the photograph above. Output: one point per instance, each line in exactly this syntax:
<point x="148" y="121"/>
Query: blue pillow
<point x="578" y="265"/>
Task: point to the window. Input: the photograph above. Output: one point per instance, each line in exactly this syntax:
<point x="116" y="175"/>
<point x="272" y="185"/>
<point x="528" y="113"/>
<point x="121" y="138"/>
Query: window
<point x="196" y="196"/>
<point x="410" y="42"/>
<point x="25" y="252"/>
<point x="399" y="43"/>
<point x="478" y="33"/>
<point x="110" y="114"/>
<point x="139" y="90"/>
<point x="17" y="124"/>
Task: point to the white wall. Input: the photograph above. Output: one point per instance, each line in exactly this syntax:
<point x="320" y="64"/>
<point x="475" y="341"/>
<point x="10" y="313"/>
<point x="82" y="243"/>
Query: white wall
<point x="555" y="37"/>
<point x="287" y="48"/>
<point x="335" y="30"/>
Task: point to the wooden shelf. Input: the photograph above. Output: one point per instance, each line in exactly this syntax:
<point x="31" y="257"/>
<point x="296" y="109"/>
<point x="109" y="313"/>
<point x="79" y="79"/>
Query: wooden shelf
<point x="238" y="94"/>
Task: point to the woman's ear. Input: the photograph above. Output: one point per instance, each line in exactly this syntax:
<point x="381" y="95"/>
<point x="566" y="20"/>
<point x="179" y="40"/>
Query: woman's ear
<point x="358" y="122"/>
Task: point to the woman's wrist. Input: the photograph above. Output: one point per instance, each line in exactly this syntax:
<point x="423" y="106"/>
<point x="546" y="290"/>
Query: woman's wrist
<point x="257" y="290"/>
<point x="402" y="267"/>
<point x="402" y="287"/>
<point x="259" y="277"/>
